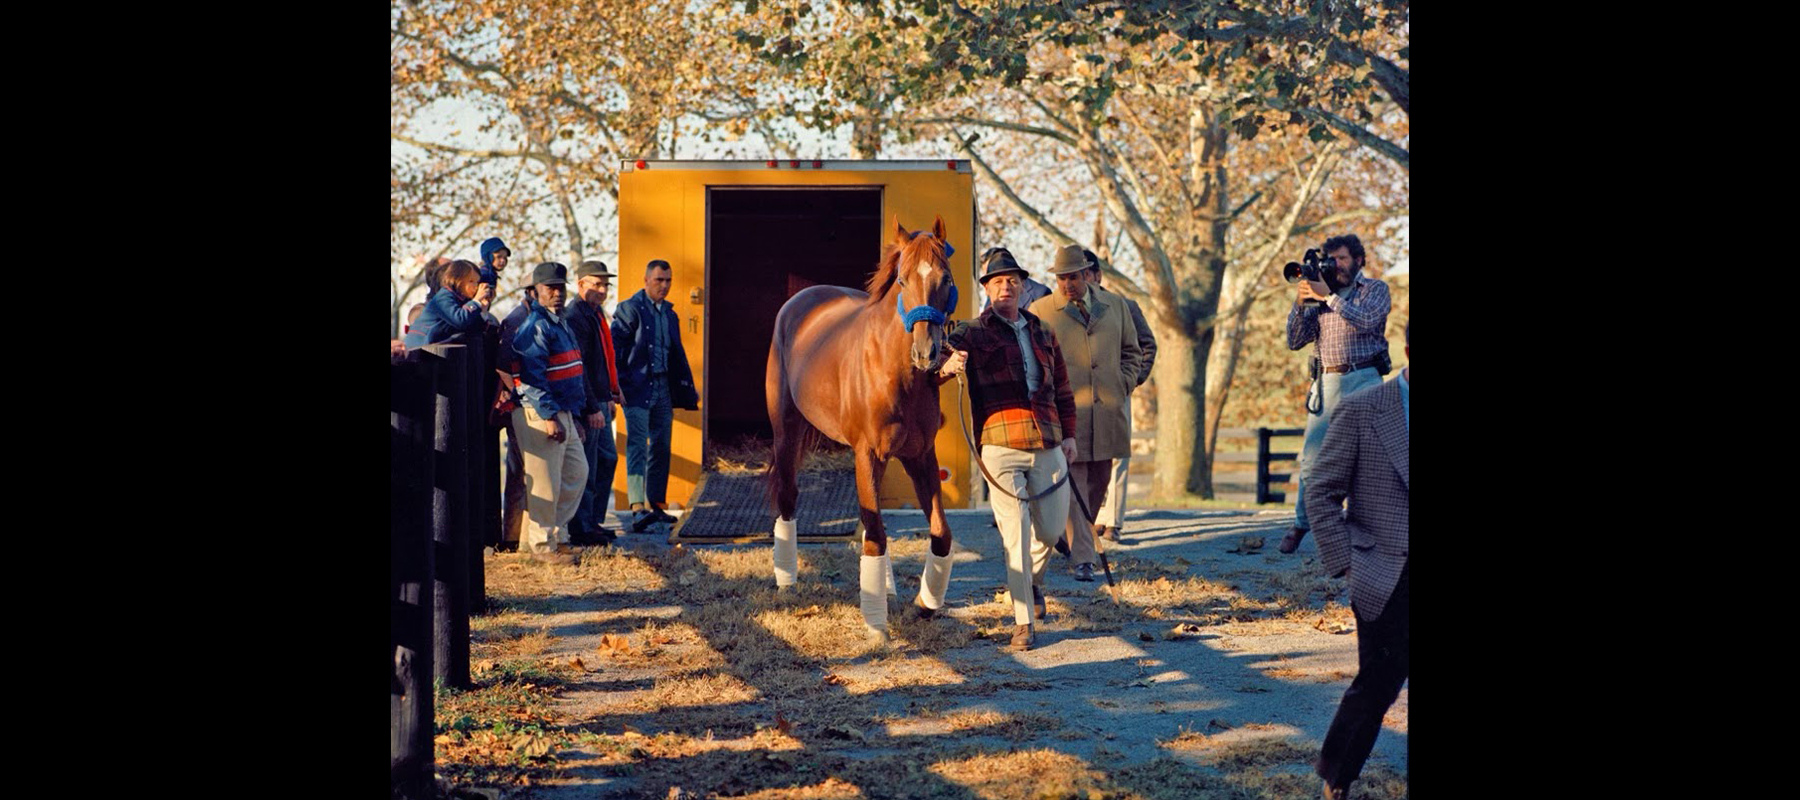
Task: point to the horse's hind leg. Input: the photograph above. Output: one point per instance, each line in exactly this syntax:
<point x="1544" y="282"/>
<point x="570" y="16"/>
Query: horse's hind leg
<point x="936" y="580"/>
<point x="791" y="434"/>
<point x="874" y="564"/>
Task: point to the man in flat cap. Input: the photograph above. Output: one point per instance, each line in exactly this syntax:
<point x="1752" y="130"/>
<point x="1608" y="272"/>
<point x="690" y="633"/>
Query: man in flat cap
<point x="586" y="316"/>
<point x="1100" y="345"/>
<point x="554" y="391"/>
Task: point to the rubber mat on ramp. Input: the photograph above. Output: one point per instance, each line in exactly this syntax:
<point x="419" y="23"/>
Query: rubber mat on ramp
<point x="734" y="508"/>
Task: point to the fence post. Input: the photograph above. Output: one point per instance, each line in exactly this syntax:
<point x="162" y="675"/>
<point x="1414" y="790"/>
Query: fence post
<point x="411" y="403"/>
<point x="1262" y="465"/>
<point x="475" y="421"/>
<point x="450" y="517"/>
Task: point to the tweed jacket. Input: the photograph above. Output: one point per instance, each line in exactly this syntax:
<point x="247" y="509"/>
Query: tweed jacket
<point x="1104" y="363"/>
<point x="1365" y="459"/>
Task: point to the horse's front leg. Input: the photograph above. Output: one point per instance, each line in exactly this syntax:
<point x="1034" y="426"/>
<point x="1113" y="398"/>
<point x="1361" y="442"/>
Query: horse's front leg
<point x="936" y="580"/>
<point x="874" y="565"/>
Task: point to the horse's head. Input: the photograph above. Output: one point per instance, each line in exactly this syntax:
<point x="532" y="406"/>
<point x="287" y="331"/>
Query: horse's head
<point x="925" y="290"/>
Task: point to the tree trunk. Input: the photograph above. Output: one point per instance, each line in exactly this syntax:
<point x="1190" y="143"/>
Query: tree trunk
<point x="1181" y="463"/>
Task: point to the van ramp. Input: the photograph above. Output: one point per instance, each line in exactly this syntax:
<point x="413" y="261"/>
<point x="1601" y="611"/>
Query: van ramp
<point x="732" y="508"/>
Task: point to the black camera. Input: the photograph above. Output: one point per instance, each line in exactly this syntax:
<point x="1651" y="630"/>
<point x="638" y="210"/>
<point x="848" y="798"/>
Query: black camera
<point x="1316" y="267"/>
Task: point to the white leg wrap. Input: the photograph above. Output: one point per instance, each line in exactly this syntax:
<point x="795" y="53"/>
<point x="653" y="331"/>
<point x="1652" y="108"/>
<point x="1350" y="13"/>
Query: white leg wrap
<point x="935" y="581"/>
<point x="887" y="567"/>
<point x="873" y="598"/>
<point x="786" y="553"/>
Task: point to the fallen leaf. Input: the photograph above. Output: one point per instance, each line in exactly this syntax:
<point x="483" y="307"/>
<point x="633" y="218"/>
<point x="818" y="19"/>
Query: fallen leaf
<point x="615" y="643"/>
<point x="688" y="577"/>
<point x="1220" y="724"/>
<point x="809" y="611"/>
<point x="1333" y="627"/>
<point x="782" y="724"/>
<point x="835" y="680"/>
<point x="629" y="729"/>
<point x="1145" y="637"/>
<point x="576" y="663"/>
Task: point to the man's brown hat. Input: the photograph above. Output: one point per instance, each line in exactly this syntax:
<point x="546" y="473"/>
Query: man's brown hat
<point x="1069" y="259"/>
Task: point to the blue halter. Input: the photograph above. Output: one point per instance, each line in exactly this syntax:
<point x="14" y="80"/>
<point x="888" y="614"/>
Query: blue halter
<point x="924" y="312"/>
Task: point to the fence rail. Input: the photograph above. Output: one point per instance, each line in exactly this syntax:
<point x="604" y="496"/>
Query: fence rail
<point x="444" y="507"/>
<point x="1264" y="458"/>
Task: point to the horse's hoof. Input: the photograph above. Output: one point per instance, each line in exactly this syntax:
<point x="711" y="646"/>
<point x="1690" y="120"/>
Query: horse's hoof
<point x="779" y="589"/>
<point x="920" y="611"/>
<point x="877" y="638"/>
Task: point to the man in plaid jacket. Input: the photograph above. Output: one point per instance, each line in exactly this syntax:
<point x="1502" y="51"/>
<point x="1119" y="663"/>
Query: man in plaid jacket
<point x="1019" y="390"/>
<point x="1365" y="459"/>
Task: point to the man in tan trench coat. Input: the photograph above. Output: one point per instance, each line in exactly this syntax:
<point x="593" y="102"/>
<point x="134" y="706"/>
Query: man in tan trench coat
<point x="1100" y="346"/>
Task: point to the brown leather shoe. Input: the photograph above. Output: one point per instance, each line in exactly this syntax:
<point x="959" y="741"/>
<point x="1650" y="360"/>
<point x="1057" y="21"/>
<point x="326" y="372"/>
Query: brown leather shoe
<point x="1291" y="541"/>
<point x="1339" y="793"/>
<point x="1021" y="639"/>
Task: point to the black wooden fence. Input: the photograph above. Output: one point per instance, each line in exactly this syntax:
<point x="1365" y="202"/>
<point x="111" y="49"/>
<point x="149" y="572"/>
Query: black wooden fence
<point x="444" y="507"/>
<point x="1255" y="487"/>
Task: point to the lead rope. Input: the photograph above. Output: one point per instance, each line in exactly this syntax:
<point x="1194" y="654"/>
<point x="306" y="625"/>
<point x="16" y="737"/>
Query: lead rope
<point x="995" y="482"/>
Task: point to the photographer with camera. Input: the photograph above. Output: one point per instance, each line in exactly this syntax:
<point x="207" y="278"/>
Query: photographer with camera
<point x="1346" y="313"/>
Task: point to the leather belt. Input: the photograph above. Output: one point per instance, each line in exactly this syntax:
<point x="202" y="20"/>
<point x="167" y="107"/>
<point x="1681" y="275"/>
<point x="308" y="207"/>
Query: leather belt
<point x="1342" y="368"/>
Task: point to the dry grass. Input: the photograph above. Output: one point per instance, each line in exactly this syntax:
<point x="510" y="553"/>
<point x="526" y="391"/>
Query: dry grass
<point x="749" y="455"/>
<point x="740" y="691"/>
<point x="1024" y="775"/>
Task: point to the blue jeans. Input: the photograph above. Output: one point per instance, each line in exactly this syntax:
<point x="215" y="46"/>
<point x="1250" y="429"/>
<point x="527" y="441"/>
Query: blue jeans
<point x="1335" y="386"/>
<point x="647" y="447"/>
<point x="603" y="459"/>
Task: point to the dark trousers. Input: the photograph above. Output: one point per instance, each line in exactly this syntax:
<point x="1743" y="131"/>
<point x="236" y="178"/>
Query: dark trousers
<point x="1090" y="478"/>
<point x="1382" y="658"/>
<point x="603" y="458"/>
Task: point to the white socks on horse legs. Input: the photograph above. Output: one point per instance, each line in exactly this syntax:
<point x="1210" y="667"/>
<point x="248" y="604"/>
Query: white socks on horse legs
<point x="935" y="580"/>
<point x="786" y="554"/>
<point x="874" y="597"/>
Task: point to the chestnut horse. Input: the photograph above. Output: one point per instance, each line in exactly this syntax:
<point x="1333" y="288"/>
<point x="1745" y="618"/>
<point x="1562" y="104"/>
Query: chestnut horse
<point x="861" y="368"/>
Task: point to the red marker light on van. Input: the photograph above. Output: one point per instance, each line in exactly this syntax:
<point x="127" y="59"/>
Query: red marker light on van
<point x="951" y="164"/>
<point x="642" y="165"/>
<point x="773" y="163"/>
<point x="817" y="164"/>
<point x="795" y="163"/>
<point x="943" y="474"/>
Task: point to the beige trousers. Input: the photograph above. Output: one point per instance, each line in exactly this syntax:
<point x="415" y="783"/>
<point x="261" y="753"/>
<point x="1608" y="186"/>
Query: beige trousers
<point x="1112" y="513"/>
<point x="555" y="477"/>
<point x="1090" y="479"/>
<point x="1027" y="534"/>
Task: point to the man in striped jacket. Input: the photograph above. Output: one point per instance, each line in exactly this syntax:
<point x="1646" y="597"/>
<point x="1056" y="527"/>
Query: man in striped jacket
<point x="554" y="391"/>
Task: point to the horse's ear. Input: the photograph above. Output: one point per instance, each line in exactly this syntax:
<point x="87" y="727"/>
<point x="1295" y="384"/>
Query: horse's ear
<point x="937" y="229"/>
<point x="901" y="235"/>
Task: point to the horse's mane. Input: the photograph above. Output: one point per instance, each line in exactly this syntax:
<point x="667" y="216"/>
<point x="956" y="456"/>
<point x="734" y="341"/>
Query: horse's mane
<point x="921" y="245"/>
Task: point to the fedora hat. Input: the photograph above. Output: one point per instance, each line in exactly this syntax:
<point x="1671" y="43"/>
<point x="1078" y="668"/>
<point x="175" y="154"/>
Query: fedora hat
<point x="999" y="261"/>
<point x="549" y="272"/>
<point x="1069" y="259"/>
<point x="597" y="268"/>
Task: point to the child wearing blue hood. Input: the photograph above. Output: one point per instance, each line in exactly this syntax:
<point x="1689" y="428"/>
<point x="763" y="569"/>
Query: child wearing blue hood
<point x="494" y="255"/>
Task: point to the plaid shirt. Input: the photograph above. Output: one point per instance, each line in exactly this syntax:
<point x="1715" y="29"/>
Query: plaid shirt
<point x="1008" y="415"/>
<point x="1349" y="329"/>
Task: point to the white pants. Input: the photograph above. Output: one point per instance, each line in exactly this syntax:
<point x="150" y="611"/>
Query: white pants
<point x="1025" y="473"/>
